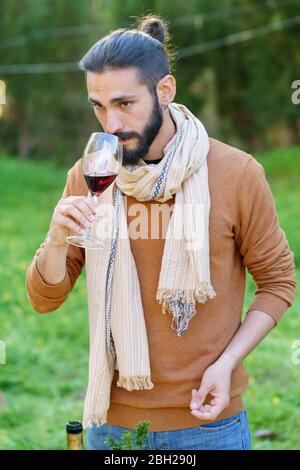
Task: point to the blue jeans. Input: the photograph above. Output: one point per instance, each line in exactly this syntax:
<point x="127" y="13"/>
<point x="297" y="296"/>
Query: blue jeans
<point x="229" y="434"/>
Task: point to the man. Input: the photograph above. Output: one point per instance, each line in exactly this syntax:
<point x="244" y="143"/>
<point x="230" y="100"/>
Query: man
<point x="189" y="385"/>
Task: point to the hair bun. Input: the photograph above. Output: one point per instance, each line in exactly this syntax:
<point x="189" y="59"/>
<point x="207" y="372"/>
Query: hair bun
<point x="155" y="27"/>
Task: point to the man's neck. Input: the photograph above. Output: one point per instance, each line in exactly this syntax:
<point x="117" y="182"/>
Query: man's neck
<point x="167" y="131"/>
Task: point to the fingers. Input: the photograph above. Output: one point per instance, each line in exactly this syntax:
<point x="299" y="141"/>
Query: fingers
<point x="209" y="411"/>
<point x="198" y="397"/>
<point x="80" y="215"/>
<point x="69" y="223"/>
<point x="91" y="204"/>
<point x="86" y="204"/>
<point x="75" y="212"/>
<point x="194" y="403"/>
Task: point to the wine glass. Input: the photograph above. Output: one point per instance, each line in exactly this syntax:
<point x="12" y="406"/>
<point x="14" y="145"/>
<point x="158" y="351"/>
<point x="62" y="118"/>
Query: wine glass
<point x="102" y="161"/>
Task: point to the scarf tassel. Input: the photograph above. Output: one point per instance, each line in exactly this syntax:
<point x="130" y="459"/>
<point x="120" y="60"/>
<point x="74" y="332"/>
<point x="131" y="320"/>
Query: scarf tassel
<point x="135" y="383"/>
<point x="129" y="383"/>
<point x="181" y="304"/>
<point x="94" y="420"/>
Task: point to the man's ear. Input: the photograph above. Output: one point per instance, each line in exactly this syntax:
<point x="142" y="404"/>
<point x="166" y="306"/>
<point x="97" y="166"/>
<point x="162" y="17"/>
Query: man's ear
<point x="166" y="89"/>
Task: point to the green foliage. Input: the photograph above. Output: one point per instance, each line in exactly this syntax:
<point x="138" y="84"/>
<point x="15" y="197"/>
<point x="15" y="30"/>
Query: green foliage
<point x="131" y="440"/>
<point x="40" y="105"/>
<point x="242" y="91"/>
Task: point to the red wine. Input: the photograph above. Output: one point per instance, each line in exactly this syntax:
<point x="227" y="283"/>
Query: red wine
<point x="100" y="181"/>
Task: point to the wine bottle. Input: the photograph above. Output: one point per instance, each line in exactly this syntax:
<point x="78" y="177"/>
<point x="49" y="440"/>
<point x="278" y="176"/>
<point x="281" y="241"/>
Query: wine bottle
<point x="74" y="435"/>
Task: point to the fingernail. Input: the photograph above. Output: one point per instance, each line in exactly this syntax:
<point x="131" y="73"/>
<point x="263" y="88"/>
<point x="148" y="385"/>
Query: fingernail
<point x="194" y="405"/>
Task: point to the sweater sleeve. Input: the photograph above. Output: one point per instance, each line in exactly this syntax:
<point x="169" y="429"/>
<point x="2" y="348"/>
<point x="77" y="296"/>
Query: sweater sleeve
<point x="263" y="244"/>
<point x="45" y="297"/>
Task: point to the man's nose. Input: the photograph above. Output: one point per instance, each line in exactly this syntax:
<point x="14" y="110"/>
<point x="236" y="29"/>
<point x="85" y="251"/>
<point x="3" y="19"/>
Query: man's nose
<point x="113" y="123"/>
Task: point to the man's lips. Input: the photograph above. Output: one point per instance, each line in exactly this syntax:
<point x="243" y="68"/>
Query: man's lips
<point x="124" y="141"/>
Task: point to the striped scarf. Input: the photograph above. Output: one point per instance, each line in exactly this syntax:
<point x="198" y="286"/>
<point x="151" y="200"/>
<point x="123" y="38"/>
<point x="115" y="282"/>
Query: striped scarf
<point x="118" y="336"/>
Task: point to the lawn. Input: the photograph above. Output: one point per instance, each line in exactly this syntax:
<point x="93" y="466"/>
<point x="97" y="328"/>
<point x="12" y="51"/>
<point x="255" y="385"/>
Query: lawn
<point x="42" y="384"/>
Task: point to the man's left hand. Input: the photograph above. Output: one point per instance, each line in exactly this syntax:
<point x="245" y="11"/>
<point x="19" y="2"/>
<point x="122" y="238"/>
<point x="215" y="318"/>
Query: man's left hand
<point x="213" y="395"/>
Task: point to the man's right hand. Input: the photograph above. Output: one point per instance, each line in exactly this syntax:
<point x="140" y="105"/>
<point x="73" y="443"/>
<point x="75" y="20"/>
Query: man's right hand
<point x="75" y="213"/>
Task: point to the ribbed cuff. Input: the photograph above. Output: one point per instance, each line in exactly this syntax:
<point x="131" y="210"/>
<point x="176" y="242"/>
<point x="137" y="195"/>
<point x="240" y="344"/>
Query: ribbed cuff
<point x="49" y="291"/>
<point x="269" y="303"/>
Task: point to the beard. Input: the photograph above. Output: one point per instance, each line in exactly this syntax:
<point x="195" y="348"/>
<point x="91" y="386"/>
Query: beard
<point x="145" y="139"/>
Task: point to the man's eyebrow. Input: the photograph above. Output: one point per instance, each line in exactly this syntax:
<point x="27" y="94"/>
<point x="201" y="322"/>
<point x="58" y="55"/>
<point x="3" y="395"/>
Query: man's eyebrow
<point x="118" y="99"/>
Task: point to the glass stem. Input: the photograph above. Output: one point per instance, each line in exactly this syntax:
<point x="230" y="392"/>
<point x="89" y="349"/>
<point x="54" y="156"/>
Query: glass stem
<point x="88" y="235"/>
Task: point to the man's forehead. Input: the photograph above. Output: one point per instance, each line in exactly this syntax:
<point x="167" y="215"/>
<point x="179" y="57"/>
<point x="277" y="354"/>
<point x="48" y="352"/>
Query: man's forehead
<point x="121" y="81"/>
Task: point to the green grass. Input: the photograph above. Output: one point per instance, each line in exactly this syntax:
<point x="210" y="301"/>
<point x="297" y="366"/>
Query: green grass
<point x="43" y="383"/>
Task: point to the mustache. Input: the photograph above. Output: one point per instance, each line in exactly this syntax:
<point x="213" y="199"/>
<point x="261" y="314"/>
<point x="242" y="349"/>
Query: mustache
<point x="127" y="135"/>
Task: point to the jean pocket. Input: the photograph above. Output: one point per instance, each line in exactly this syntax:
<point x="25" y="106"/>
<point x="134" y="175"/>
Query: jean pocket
<point x="222" y="425"/>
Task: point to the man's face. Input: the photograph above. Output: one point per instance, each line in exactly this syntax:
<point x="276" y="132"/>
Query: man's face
<point x="126" y="109"/>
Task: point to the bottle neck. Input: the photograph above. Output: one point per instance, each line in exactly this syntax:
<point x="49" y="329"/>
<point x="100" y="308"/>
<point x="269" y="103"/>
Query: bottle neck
<point x="74" y="441"/>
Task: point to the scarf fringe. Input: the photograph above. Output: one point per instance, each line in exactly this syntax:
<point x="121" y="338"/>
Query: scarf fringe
<point x="97" y="420"/>
<point x="135" y="383"/>
<point x="129" y="383"/>
<point x="182" y="304"/>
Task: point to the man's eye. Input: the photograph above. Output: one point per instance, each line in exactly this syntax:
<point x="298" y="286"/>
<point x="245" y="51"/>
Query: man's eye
<point x="125" y="104"/>
<point x="96" y="106"/>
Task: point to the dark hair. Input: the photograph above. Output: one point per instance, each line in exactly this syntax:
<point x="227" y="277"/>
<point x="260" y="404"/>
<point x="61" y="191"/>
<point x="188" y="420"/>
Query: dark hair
<point x="144" y="48"/>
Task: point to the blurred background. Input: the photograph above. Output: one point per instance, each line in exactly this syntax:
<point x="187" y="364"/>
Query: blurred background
<point x="238" y="69"/>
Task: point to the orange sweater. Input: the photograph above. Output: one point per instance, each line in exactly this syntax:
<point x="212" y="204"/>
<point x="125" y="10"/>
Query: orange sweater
<point x="244" y="232"/>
